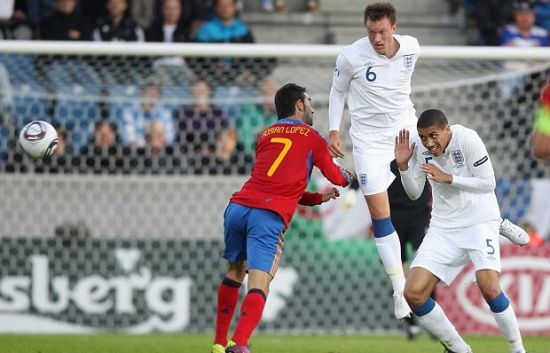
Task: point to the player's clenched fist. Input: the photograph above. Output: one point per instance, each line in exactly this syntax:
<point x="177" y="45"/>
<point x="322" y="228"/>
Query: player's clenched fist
<point x="332" y="193"/>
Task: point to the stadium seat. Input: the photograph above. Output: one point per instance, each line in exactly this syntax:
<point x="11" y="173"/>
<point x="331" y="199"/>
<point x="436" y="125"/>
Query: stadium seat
<point x="71" y="72"/>
<point x="30" y="102"/>
<point x="231" y="98"/>
<point x="21" y="68"/>
<point x="173" y="96"/>
<point x="77" y="109"/>
<point x="173" y="75"/>
<point x="120" y="96"/>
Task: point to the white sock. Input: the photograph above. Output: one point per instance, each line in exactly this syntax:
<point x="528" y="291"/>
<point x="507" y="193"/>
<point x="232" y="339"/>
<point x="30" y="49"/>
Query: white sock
<point x="389" y="250"/>
<point x="508" y="324"/>
<point x="439" y="325"/>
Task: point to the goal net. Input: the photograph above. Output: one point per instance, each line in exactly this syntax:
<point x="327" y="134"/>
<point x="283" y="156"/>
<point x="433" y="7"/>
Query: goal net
<point x="122" y="228"/>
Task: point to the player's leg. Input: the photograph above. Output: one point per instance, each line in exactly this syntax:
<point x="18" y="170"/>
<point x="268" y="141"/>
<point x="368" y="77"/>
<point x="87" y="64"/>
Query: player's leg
<point x="228" y="291"/>
<point x="264" y="248"/>
<point x="372" y="155"/>
<point x="439" y="258"/>
<point x="420" y="284"/>
<point x="411" y="230"/>
<point x="503" y="312"/>
<point x="486" y="259"/>
<point x="389" y="248"/>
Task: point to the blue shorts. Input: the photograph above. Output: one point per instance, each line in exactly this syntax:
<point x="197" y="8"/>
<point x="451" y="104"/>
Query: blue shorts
<point x="253" y="234"/>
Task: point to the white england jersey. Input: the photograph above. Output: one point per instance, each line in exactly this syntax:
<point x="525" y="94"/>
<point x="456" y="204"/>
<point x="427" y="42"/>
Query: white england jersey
<point x="377" y="87"/>
<point x="470" y="199"/>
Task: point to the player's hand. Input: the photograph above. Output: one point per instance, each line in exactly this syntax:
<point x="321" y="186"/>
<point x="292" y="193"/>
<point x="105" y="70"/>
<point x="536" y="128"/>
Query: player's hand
<point x="332" y="193"/>
<point x="435" y="174"/>
<point x="403" y="149"/>
<point x="335" y="144"/>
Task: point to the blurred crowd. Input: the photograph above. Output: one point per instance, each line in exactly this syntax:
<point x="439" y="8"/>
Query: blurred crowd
<point x="130" y="20"/>
<point x="147" y="136"/>
<point x="185" y="115"/>
<point x="520" y="23"/>
<point x="144" y="133"/>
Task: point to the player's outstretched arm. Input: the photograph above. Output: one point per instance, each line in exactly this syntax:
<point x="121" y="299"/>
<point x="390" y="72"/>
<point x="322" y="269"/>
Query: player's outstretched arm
<point x="317" y="198"/>
<point x="332" y="171"/>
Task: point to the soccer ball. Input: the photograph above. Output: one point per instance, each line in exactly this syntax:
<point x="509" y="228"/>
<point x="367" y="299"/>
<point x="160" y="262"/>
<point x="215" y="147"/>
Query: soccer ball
<point x="38" y="139"/>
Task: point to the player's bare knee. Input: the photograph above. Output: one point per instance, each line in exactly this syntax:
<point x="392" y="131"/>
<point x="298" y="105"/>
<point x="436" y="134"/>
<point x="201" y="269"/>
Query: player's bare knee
<point x="259" y="280"/>
<point x="490" y="291"/>
<point x="236" y="271"/>
<point x="414" y="296"/>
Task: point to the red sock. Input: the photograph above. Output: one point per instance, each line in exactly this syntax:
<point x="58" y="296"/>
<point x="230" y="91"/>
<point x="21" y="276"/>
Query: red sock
<point x="228" y="296"/>
<point x="251" y="314"/>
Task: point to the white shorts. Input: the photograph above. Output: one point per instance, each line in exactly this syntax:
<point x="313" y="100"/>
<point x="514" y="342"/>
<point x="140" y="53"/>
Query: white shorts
<point x="444" y="252"/>
<point x="372" y="155"/>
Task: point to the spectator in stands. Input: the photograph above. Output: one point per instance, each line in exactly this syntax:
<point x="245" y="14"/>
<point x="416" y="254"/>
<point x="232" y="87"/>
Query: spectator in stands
<point x="13" y="20"/>
<point x="312" y="5"/>
<point x="138" y="116"/>
<point x="103" y="154"/>
<point x="104" y="134"/>
<point x="254" y="118"/>
<point x="65" y="23"/>
<point x="39" y="9"/>
<point x="280" y="5"/>
<point x="171" y="28"/>
<point x="491" y="16"/>
<point x="156" y="157"/>
<point x="118" y="25"/>
<point x="62" y="136"/>
<point x="143" y="12"/>
<point x="156" y="137"/>
<point x="203" y="129"/>
<point x="226" y="27"/>
<point x="541" y="132"/>
<point x="523" y="32"/>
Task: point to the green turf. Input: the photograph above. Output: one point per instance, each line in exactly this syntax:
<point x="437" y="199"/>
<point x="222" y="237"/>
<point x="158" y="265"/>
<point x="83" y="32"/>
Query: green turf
<point x="197" y="343"/>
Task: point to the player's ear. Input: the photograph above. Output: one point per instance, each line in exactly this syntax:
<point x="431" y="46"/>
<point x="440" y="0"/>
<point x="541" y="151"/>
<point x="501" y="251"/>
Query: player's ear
<point x="299" y="106"/>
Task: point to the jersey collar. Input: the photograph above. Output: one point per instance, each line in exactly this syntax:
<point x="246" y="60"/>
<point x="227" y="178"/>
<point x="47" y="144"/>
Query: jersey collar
<point x="290" y="121"/>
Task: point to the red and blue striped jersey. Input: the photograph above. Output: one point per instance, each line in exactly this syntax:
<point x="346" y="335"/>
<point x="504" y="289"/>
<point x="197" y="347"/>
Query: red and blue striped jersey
<point x="285" y="155"/>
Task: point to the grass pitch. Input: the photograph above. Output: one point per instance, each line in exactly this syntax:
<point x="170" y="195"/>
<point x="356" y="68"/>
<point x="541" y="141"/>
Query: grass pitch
<point x="201" y="343"/>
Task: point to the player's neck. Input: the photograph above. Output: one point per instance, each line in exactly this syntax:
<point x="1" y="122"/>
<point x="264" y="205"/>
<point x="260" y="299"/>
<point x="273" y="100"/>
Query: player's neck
<point x="393" y="50"/>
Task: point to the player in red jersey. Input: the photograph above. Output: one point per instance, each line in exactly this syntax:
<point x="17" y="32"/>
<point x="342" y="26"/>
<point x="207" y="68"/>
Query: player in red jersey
<point x="257" y="216"/>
